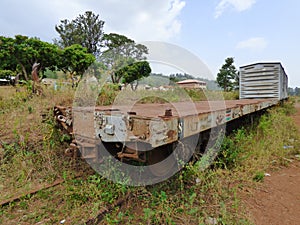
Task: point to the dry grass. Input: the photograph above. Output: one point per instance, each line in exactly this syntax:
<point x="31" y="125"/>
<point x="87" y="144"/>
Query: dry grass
<point x="110" y="94"/>
<point x="29" y="143"/>
<point x="32" y="154"/>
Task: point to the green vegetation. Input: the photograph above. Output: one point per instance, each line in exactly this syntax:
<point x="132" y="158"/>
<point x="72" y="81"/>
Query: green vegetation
<point x="111" y="94"/>
<point x="32" y="155"/>
<point x="75" y="59"/>
<point x="50" y="74"/>
<point x="81" y="41"/>
<point x="122" y="56"/>
<point x="85" y="30"/>
<point x="131" y="74"/>
<point x="6" y="74"/>
<point x="294" y="91"/>
<point x="228" y="78"/>
<point x="117" y="54"/>
<point x="19" y="54"/>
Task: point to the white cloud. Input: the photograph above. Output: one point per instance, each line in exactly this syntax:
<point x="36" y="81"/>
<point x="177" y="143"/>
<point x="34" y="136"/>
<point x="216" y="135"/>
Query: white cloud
<point x="143" y="20"/>
<point x="255" y="44"/>
<point x="238" y="5"/>
<point x="140" y="20"/>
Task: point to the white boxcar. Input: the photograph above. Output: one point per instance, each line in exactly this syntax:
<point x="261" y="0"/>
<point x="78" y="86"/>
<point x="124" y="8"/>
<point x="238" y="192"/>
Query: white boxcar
<point x="263" y="80"/>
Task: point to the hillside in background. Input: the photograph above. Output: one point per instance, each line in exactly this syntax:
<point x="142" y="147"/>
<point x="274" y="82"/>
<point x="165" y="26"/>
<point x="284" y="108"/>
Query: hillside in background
<point x="156" y="80"/>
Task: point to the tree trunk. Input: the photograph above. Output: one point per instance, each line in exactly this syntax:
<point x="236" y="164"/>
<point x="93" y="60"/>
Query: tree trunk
<point x="117" y="80"/>
<point x="24" y="72"/>
<point x="74" y="83"/>
<point x="112" y="78"/>
<point x="137" y="84"/>
<point x="36" y="87"/>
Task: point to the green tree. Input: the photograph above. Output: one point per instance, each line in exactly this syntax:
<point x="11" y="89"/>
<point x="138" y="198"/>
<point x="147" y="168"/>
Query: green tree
<point x="7" y="60"/>
<point x="120" y="52"/>
<point x="131" y="74"/>
<point x="227" y="76"/>
<point x="297" y="91"/>
<point x="44" y="53"/>
<point x="20" y="53"/>
<point x="75" y="60"/>
<point x="86" y="30"/>
<point x="6" y="74"/>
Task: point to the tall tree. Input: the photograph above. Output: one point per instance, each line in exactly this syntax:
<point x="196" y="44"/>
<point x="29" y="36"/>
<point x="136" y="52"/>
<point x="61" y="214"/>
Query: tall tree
<point x="120" y="52"/>
<point x="297" y="91"/>
<point x="86" y="30"/>
<point x="21" y="53"/>
<point x="131" y="74"/>
<point x="75" y="60"/>
<point x="227" y="76"/>
<point x="7" y="61"/>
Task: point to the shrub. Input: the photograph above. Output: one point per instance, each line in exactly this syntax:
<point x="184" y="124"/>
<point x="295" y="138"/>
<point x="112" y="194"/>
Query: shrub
<point x="6" y="74"/>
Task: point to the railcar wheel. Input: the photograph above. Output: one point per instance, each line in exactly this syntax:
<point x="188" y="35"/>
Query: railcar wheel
<point x="185" y="152"/>
<point x="161" y="162"/>
<point x="186" y="149"/>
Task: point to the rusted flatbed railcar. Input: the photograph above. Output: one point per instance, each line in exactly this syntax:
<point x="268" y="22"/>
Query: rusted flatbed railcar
<point x="160" y="124"/>
<point x="150" y="133"/>
<point x="130" y="132"/>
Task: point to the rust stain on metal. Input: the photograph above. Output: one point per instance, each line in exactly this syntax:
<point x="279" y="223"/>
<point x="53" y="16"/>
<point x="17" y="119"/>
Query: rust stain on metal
<point x="168" y="112"/>
<point x="131" y="113"/>
<point x="172" y="134"/>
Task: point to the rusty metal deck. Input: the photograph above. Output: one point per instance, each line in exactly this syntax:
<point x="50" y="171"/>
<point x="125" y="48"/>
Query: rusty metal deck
<point x="181" y="109"/>
<point x="160" y="124"/>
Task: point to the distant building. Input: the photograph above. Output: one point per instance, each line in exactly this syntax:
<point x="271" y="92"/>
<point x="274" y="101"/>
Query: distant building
<point x="192" y="84"/>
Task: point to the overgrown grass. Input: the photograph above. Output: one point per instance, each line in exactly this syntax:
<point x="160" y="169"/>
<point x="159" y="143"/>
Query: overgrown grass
<point x="29" y="142"/>
<point x="32" y="154"/>
<point x="194" y="196"/>
<point x="110" y="94"/>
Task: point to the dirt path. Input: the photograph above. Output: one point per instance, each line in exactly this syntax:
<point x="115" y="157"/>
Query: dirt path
<point x="296" y="117"/>
<point x="278" y="200"/>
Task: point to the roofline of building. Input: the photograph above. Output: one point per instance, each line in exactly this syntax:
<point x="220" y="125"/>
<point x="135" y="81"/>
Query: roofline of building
<point x="260" y="63"/>
<point x="191" y="81"/>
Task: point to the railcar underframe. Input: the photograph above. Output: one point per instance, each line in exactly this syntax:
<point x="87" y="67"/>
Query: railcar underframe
<point x="147" y="132"/>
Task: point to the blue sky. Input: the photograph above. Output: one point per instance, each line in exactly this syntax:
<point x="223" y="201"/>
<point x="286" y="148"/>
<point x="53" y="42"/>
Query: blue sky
<point x="248" y="30"/>
<point x="265" y="31"/>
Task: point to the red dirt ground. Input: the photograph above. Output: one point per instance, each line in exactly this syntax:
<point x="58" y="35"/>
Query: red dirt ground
<point x="277" y="201"/>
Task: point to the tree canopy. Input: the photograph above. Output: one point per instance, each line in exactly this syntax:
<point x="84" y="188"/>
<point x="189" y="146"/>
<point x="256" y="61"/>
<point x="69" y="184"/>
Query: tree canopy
<point x="131" y="74"/>
<point x="80" y="42"/>
<point x="114" y="51"/>
<point x="86" y="30"/>
<point x="75" y="59"/>
<point x="227" y="78"/>
<point x="121" y="52"/>
<point x="21" y="53"/>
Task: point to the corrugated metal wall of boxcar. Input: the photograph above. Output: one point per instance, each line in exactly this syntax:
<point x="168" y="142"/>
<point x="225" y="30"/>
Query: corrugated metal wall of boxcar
<point x="284" y="85"/>
<point x="263" y="80"/>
